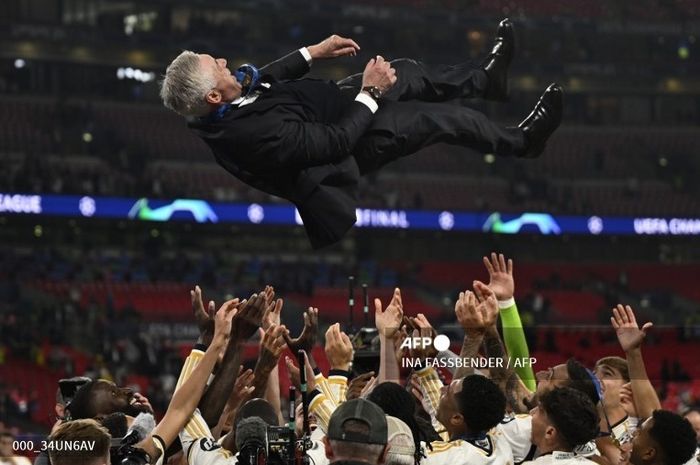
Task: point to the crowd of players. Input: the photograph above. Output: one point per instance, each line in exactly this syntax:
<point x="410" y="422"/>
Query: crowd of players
<point x="498" y="412"/>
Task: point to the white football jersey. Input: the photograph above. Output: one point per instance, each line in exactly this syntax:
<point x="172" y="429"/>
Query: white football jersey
<point x="493" y="450"/>
<point x="199" y="446"/>
<point x="517" y="432"/>
<point x="560" y="458"/>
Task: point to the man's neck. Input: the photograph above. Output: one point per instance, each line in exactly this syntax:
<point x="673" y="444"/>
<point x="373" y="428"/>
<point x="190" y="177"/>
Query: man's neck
<point x="555" y="447"/>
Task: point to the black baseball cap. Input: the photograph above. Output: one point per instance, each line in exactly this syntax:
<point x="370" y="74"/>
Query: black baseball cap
<point x="361" y="410"/>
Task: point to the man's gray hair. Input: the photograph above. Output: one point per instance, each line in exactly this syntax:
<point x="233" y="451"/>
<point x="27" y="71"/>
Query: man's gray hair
<point x="346" y="450"/>
<point x="186" y="84"/>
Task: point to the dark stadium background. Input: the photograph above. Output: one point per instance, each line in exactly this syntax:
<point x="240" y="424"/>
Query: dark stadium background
<point x="111" y="297"/>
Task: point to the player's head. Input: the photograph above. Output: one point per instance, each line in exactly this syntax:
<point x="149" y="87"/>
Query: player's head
<point x="100" y="398"/>
<point x="94" y="438"/>
<point x="6" y="440"/>
<point x="665" y="438"/>
<point x="570" y="374"/>
<point x="395" y="401"/>
<point x="195" y="83"/>
<point x="471" y="405"/>
<point x="613" y="373"/>
<point x="564" y="419"/>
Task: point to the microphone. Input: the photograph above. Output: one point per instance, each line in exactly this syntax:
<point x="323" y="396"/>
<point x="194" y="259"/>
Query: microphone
<point x="251" y="441"/>
<point x="143" y="425"/>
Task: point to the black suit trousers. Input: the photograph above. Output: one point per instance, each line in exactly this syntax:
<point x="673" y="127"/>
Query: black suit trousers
<point x="424" y="108"/>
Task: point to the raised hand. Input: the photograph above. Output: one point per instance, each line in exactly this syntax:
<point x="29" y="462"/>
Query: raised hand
<point x="500" y="276"/>
<point x="223" y="321"/>
<point x="357" y="385"/>
<point x="294" y="374"/>
<point x="334" y="46"/>
<point x="203" y="317"/>
<point x="388" y="321"/>
<point x="272" y="342"/>
<point x="627" y="400"/>
<point x="249" y="318"/>
<point x="628" y="333"/>
<point x="309" y="335"/>
<point x="379" y="73"/>
<point x="425" y="329"/>
<point x="338" y="348"/>
<point x="273" y="308"/>
<point x="473" y="315"/>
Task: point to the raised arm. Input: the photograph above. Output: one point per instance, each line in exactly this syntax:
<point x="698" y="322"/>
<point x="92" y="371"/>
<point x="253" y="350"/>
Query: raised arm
<point x="190" y="391"/>
<point x="630" y="337"/>
<point x="502" y="283"/>
<point x="297" y="63"/>
<point x="244" y="326"/>
<point x="388" y="323"/>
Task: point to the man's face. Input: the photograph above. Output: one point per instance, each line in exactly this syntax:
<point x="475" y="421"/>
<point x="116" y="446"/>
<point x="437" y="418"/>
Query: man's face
<point x="694" y="419"/>
<point x="448" y="406"/>
<point x="108" y="398"/>
<point x="227" y="87"/>
<point x="611" y="380"/>
<point x="6" y="446"/>
<point x="540" y="423"/>
<point x="643" y="447"/>
<point x="553" y="377"/>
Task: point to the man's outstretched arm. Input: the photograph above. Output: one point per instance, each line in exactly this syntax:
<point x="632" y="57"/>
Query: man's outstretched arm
<point x="296" y="64"/>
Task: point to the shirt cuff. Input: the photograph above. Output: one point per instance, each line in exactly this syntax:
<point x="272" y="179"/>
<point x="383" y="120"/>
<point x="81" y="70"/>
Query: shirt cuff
<point x="368" y="101"/>
<point x="307" y="56"/>
<point x="506" y="303"/>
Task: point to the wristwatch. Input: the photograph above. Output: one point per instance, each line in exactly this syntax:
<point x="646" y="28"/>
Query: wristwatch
<point x="373" y="92"/>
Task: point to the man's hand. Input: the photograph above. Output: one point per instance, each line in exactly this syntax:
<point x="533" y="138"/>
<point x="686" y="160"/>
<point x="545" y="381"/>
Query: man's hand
<point x="204" y="317"/>
<point x="474" y="316"/>
<point x="142" y="403"/>
<point x="332" y="47"/>
<point x="357" y="385"/>
<point x="379" y="73"/>
<point x="500" y="276"/>
<point x="273" y="308"/>
<point x="628" y="333"/>
<point x="426" y="330"/>
<point x="249" y="318"/>
<point x="223" y="321"/>
<point x="388" y="321"/>
<point x="338" y="348"/>
<point x="627" y="400"/>
<point x="295" y="377"/>
<point x="272" y="343"/>
<point x="309" y="335"/>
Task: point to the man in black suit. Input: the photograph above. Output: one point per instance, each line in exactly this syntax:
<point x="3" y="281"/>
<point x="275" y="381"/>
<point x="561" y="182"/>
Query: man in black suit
<point x="309" y="140"/>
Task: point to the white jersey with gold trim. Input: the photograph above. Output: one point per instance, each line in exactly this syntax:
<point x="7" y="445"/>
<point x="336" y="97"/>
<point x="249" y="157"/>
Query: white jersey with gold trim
<point x="492" y="450"/>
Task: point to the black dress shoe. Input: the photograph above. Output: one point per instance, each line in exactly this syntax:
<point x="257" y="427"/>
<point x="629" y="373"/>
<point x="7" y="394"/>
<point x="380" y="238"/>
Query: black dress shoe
<point x="543" y="121"/>
<point x="498" y="61"/>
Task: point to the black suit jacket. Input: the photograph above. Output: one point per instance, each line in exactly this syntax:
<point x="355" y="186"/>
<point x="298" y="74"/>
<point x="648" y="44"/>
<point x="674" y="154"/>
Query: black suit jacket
<point x="295" y="141"/>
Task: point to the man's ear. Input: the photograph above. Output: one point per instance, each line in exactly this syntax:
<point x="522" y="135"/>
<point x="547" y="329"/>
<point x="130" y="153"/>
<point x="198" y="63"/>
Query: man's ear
<point x="457" y="419"/>
<point x="214" y="96"/>
<point x="549" y="433"/>
<point x="649" y="454"/>
<point x="327" y="446"/>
